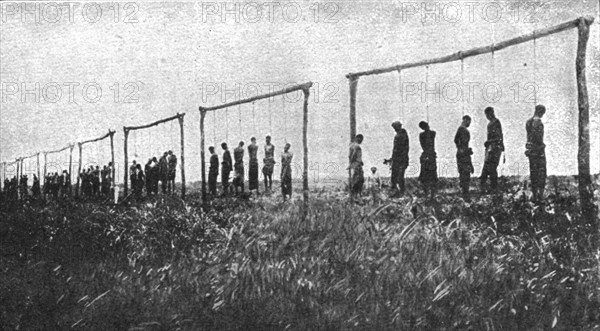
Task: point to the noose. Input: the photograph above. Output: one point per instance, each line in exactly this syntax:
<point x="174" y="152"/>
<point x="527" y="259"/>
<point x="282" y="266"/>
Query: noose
<point x="285" y="131"/>
<point x="254" y="117"/>
<point x="227" y="125"/>
<point x="400" y="92"/>
<point x="535" y="100"/>
<point x="214" y="128"/>
<point x="240" y="121"/>
<point x="426" y="86"/>
<point x="462" y="82"/>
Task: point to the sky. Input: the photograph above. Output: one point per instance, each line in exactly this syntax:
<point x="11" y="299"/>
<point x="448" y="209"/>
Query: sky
<point x="70" y="72"/>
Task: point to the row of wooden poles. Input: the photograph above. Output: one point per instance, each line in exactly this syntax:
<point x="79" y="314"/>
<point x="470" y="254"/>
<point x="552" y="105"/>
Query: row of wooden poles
<point x="180" y="118"/>
<point x="583" y="26"/>
<point x="70" y="147"/>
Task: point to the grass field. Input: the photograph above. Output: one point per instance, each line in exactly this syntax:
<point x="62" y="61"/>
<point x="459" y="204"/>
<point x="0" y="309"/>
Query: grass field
<point x="498" y="262"/>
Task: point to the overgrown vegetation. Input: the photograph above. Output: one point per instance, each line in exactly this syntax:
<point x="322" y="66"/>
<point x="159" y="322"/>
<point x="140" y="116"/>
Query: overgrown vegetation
<point x="497" y="263"/>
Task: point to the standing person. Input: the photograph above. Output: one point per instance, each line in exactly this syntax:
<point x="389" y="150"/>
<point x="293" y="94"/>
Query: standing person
<point x="269" y="163"/>
<point x="463" y="155"/>
<point x="132" y="175"/>
<point x="226" y="167"/>
<point x="428" y="176"/>
<point x="494" y="146"/>
<point x="286" y="172"/>
<point x="140" y="180"/>
<point x="535" y="151"/>
<point x="163" y="171"/>
<point x="399" y="159"/>
<point x="213" y="171"/>
<point x="357" y="177"/>
<point x="149" y="179"/>
<point x="238" y="157"/>
<point x="35" y="188"/>
<point x="66" y="189"/>
<point x="61" y="184"/>
<point x="253" y="165"/>
<point x="172" y="159"/>
<point x="96" y="180"/>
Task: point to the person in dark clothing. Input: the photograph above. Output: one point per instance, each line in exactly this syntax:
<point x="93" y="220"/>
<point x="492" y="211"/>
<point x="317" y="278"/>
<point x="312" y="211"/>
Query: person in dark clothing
<point x="428" y="176"/>
<point x="286" y="172"/>
<point x="35" y="188"/>
<point x="494" y="146"/>
<point x="535" y="151"/>
<point x="163" y="171"/>
<point x="399" y="159"/>
<point x="172" y="172"/>
<point x="226" y="167"/>
<point x="463" y="155"/>
<point x="140" y="179"/>
<point x="213" y="171"/>
<point x="238" y="166"/>
<point x="269" y="163"/>
<point x="355" y="165"/>
<point x="253" y="165"/>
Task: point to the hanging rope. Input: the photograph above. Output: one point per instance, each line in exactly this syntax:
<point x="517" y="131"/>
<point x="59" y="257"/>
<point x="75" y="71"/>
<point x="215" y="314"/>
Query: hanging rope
<point x="426" y="86"/>
<point x="535" y="99"/>
<point x="254" y="117"/>
<point x="270" y="120"/>
<point x="240" y="121"/>
<point x="214" y="128"/>
<point x="462" y="84"/>
<point x="400" y="108"/>
<point x="284" y="118"/>
<point x="227" y="125"/>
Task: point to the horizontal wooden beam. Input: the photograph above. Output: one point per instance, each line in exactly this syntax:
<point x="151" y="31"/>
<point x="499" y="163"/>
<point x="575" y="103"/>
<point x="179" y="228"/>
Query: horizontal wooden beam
<point x="129" y="128"/>
<point x="97" y="139"/>
<point x="304" y="87"/>
<point x="59" y="150"/>
<point x="478" y="50"/>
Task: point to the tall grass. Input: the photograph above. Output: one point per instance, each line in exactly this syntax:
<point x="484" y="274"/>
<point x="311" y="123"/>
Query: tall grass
<point x="498" y="263"/>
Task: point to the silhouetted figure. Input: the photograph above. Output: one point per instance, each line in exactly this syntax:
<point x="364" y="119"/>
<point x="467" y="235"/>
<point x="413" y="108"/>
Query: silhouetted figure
<point x="253" y="165"/>
<point x="213" y="171"/>
<point x="269" y="163"/>
<point x="357" y="177"/>
<point x="163" y="171"/>
<point x="535" y="151"/>
<point x="286" y="172"/>
<point x="494" y="146"/>
<point x="238" y="166"/>
<point x="463" y="155"/>
<point x="399" y="159"/>
<point x="428" y="175"/>
<point x="172" y="171"/>
<point x="226" y="167"/>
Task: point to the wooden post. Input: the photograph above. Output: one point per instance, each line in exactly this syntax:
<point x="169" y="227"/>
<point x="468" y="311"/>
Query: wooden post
<point x="125" y="170"/>
<point x="202" y="153"/>
<point x="305" y="147"/>
<point x="180" y="118"/>
<point x="71" y="170"/>
<point x="112" y="157"/>
<point x="37" y="166"/>
<point x="45" y="164"/>
<point x="583" y="155"/>
<point x="77" y="190"/>
<point x="353" y="89"/>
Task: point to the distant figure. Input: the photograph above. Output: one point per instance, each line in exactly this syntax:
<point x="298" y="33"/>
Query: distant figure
<point x="163" y="171"/>
<point x="238" y="166"/>
<point x="374" y="184"/>
<point x="357" y="177"/>
<point x="399" y="159"/>
<point x="463" y="155"/>
<point x="286" y="172"/>
<point x="494" y="146"/>
<point x="428" y="176"/>
<point x="213" y="171"/>
<point x="132" y="177"/>
<point x="96" y="180"/>
<point x="148" y="171"/>
<point x="23" y="184"/>
<point x="226" y="167"/>
<point x="140" y="179"/>
<point x="253" y="165"/>
<point x="171" y="173"/>
<point x="535" y="151"/>
<point x="35" y="188"/>
<point x="66" y="183"/>
<point x="153" y="176"/>
<point x="269" y="163"/>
